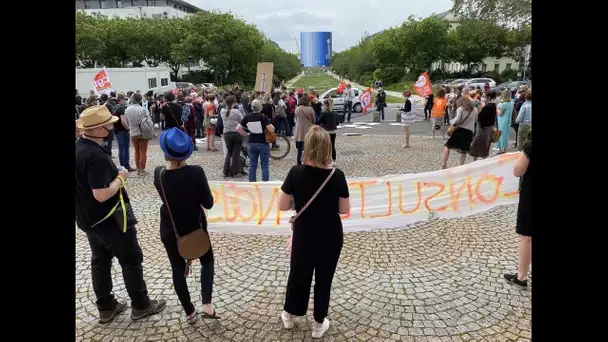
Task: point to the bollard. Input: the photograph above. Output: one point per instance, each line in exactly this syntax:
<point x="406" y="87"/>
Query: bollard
<point x="376" y="116"/>
<point x="398" y="116"/>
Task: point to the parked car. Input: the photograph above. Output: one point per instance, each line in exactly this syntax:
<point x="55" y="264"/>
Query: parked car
<point x="339" y="100"/>
<point x="480" y="82"/>
<point x="185" y="86"/>
<point x="457" y="82"/>
<point x="208" y="86"/>
<point x="513" y="86"/>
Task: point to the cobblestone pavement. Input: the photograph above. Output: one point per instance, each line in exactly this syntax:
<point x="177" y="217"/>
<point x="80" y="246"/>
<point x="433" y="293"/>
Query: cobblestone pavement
<point x="438" y="280"/>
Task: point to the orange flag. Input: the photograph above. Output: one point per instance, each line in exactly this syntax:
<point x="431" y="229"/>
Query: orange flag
<point x="423" y="86"/>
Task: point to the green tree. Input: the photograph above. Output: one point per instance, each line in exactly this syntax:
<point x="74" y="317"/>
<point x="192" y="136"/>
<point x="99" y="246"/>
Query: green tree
<point x="90" y="44"/>
<point x="474" y="40"/>
<point x="518" y="12"/>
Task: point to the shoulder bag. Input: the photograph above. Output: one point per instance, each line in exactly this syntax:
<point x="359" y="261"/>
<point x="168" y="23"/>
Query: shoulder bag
<point x="270" y="137"/>
<point x="192" y="245"/>
<point x="453" y="128"/>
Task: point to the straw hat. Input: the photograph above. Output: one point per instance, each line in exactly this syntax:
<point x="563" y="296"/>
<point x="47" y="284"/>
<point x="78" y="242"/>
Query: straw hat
<point x="95" y="116"/>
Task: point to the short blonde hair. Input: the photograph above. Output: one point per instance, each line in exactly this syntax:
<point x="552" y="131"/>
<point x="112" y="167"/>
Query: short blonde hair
<point x="317" y="146"/>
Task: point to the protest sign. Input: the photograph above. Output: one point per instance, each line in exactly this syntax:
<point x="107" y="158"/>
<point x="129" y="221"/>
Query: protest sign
<point x="263" y="78"/>
<point x="376" y="203"/>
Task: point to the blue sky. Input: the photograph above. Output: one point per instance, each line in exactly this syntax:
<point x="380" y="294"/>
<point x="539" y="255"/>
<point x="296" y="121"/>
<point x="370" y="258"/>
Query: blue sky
<point x="348" y="21"/>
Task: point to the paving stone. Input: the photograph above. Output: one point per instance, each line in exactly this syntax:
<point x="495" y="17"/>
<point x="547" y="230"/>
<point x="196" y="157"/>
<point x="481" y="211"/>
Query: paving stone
<point x="436" y="280"/>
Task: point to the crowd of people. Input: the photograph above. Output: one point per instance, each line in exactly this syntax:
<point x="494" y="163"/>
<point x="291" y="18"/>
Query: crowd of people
<point x="474" y="119"/>
<point x="237" y="120"/>
<point x="314" y="188"/>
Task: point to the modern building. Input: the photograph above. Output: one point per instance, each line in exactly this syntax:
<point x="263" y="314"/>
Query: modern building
<point x="316" y="49"/>
<point x="489" y="64"/>
<point x="156" y="9"/>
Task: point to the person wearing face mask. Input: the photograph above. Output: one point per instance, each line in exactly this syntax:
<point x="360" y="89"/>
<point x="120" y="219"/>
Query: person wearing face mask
<point x="100" y="191"/>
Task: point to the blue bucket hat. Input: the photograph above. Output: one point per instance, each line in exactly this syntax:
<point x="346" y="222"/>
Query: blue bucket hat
<point x="176" y="144"/>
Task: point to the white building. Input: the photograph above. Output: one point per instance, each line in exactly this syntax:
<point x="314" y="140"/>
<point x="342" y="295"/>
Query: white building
<point x="488" y="64"/>
<point x="156" y="9"/>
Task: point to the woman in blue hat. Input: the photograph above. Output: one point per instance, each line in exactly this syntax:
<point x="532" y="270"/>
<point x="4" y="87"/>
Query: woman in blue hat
<point x="187" y="191"/>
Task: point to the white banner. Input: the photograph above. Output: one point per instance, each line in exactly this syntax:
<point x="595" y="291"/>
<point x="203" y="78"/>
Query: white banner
<point x="376" y="203"/>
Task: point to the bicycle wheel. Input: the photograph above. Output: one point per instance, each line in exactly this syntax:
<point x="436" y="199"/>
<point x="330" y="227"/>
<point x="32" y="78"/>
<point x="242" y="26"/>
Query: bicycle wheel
<point x="283" y="146"/>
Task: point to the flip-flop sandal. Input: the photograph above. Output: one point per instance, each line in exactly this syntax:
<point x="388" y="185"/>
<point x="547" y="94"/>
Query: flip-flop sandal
<point x="206" y="315"/>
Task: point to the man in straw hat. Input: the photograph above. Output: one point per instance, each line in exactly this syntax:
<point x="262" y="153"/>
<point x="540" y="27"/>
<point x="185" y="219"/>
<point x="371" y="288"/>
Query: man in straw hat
<point x="99" y="192"/>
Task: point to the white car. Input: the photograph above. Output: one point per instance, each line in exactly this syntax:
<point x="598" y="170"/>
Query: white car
<point x="208" y="86"/>
<point x="480" y="82"/>
<point x="339" y="100"/>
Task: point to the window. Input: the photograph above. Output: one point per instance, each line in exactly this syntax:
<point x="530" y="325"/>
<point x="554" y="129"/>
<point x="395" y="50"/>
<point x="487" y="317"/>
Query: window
<point x="332" y="94"/>
<point x="152" y="83"/>
<point x="508" y="66"/>
<point x="496" y="67"/>
<point x="103" y="4"/>
<point x="484" y="67"/>
<point x="164" y="82"/>
<point x="118" y="4"/>
<point x="88" y="4"/>
<point x="356" y="92"/>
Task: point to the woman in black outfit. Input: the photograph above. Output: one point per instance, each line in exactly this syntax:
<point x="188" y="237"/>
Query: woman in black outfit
<point x="480" y="148"/>
<point x="329" y="121"/>
<point x="187" y="192"/>
<point x="523" y="169"/>
<point x="317" y="232"/>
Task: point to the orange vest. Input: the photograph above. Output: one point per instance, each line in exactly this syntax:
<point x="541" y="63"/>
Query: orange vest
<point x="438" y="110"/>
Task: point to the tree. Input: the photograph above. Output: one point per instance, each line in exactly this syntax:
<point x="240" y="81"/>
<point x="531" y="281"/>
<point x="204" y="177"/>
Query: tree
<point x="474" y="40"/>
<point x="518" y="12"/>
<point x="228" y="45"/>
<point x="90" y="44"/>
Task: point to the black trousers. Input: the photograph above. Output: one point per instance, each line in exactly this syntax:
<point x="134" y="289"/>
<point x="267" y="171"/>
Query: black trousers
<point x="332" y="137"/>
<point x="300" y="148"/>
<point x="107" y="243"/>
<point x="302" y="265"/>
<point x="178" y="268"/>
<point x="232" y="163"/>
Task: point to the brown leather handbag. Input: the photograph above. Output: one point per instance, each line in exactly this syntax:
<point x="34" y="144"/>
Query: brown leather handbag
<point x="192" y="245"/>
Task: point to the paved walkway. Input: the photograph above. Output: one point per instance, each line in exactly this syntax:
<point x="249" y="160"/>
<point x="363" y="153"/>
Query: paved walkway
<point x="438" y="280"/>
<point x="414" y="97"/>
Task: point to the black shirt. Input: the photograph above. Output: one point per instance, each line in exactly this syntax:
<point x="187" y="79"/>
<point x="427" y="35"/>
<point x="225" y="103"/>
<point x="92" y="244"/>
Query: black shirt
<point x="320" y="223"/>
<point x="186" y="189"/>
<point x="255" y="124"/>
<point x="94" y="170"/>
<point x="329" y="121"/>
<point x="407" y="106"/>
<point x="487" y="116"/>
<point x="525" y="182"/>
<point x="172" y="112"/>
<point x="267" y="110"/>
<point x="118" y="111"/>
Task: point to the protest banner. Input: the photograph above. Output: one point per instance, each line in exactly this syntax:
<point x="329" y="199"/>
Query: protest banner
<point x="423" y="86"/>
<point x="263" y="78"/>
<point x="101" y="82"/>
<point x="376" y="203"/>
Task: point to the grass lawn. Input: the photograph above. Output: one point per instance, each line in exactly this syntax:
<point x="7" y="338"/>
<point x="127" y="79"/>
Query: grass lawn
<point x="320" y="82"/>
<point x="323" y="82"/>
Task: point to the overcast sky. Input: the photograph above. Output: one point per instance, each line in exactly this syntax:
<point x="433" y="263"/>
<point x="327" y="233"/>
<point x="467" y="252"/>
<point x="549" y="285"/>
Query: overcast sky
<point x="283" y="20"/>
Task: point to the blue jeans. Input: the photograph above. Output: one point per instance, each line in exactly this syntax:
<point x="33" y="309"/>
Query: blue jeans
<point x="123" y="140"/>
<point x="262" y="151"/>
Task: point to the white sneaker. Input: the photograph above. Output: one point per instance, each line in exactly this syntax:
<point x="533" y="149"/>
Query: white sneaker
<point x="287" y="322"/>
<point x="318" y="332"/>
